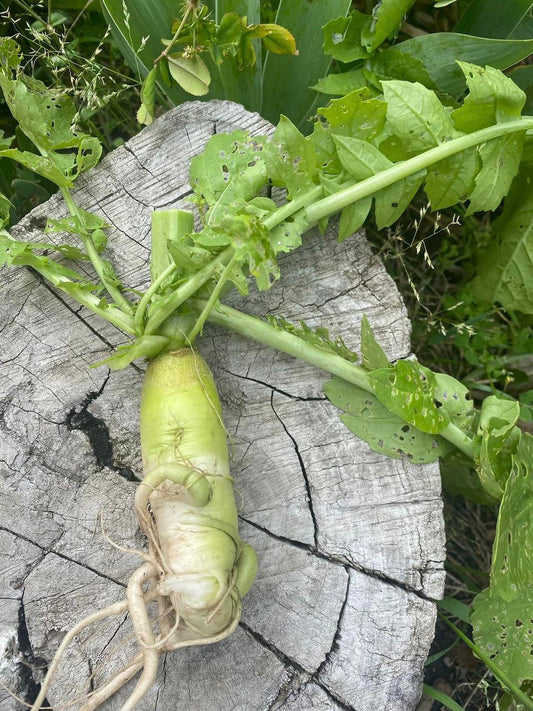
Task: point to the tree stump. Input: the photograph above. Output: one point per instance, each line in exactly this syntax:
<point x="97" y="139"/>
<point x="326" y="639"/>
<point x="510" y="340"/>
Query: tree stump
<point x="350" y="543"/>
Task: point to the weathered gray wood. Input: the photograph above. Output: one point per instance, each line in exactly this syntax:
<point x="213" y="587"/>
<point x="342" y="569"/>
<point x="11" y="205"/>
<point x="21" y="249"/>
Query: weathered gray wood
<point x="350" y="543"/>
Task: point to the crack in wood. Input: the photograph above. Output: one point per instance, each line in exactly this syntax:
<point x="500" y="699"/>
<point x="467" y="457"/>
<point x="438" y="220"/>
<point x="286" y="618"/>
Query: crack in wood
<point x="28" y="661"/>
<point x="317" y="552"/>
<point x="292" y="666"/>
<point x="299" y="398"/>
<point x="303" y="470"/>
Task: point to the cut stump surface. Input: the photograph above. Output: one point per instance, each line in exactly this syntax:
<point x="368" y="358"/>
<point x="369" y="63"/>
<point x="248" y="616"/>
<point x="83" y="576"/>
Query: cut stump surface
<point x="350" y="543"/>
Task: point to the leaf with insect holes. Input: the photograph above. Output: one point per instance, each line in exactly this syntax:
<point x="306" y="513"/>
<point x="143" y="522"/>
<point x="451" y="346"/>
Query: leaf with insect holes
<point x="455" y="399"/>
<point x="191" y="73"/>
<point x="492" y="98"/>
<point x="73" y="225"/>
<point x="387" y="18"/>
<point x="231" y="168"/>
<point x="288" y="235"/>
<point x="502" y="619"/>
<point x="357" y="114"/>
<point x="383" y="431"/>
<point x="372" y="354"/>
<point x="408" y="390"/>
<point x="363" y="160"/>
<point x="500" y="161"/>
<point x="290" y="159"/>
<point x="392" y="64"/>
<point x="145" y="114"/>
<point x="342" y="37"/>
<point x="416" y="116"/>
<point x="499" y="440"/>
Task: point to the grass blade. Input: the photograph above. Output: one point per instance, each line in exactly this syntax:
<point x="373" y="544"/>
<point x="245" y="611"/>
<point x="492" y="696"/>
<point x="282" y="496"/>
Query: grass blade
<point x="442" y="698"/>
<point x="493" y="18"/>
<point x="286" y="80"/>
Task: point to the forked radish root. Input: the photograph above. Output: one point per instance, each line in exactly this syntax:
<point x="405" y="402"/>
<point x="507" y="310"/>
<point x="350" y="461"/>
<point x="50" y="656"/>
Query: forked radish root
<point x="196" y="567"/>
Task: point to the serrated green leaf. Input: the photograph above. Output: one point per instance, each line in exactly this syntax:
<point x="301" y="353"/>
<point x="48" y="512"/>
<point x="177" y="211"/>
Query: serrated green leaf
<point x="452" y="180"/>
<point x="73" y="225"/>
<point x="147" y="347"/>
<point x="492" y="98"/>
<point x="230" y="29"/>
<point x="372" y="354"/>
<point x="342" y="37"/>
<point x="408" y="390"/>
<point x="318" y="337"/>
<point x="416" y="116"/>
<point x="357" y="114"/>
<point x="382" y="430"/>
<point x="505" y="273"/>
<point x="341" y="84"/>
<point x="38" y="164"/>
<point x="290" y="159"/>
<point x="191" y="73"/>
<point x="288" y="235"/>
<point x="387" y="18"/>
<point x="500" y="161"/>
<point x="440" y="51"/>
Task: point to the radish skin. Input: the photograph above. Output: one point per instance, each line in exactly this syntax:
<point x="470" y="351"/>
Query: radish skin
<point x="197" y="568"/>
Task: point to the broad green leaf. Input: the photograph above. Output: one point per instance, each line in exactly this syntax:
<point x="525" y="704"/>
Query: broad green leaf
<point x="408" y="390"/>
<point x="275" y="38"/>
<point x="460" y="478"/>
<point x="383" y="431"/>
<point x="493" y="18"/>
<point x="500" y="160"/>
<point x="228" y="160"/>
<point x="387" y="18"/>
<point x="343" y="37"/>
<point x="502" y="631"/>
<point x="362" y="160"/>
<point x="286" y="80"/>
<point x="440" y="51"/>
<point x="512" y="561"/>
<point x="290" y="159"/>
<point x="357" y="114"/>
<point x="392" y="64"/>
<point x="372" y="354"/>
<point x="505" y="273"/>
<point x="145" y="113"/>
<point x="523" y="77"/>
<point x="138" y="28"/>
<point x="191" y="73"/>
<point x="142" y="347"/>
<point x="288" y="235"/>
<point x="353" y="217"/>
<point x="452" y="180"/>
<point x="341" y="84"/>
<point x="416" y="116"/>
<point x="230" y="29"/>
<point x="5" y="210"/>
<point x="492" y="98"/>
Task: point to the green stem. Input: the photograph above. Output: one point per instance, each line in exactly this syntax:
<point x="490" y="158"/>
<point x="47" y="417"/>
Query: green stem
<point x="167" y="307"/>
<point x="195" y="330"/>
<point x="147" y="297"/>
<point x="289" y="208"/>
<point x="262" y="332"/>
<point x="498" y="673"/>
<point x="341" y="199"/>
<point x="173" y="41"/>
<point x="98" y="263"/>
<point x="115" y="316"/>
